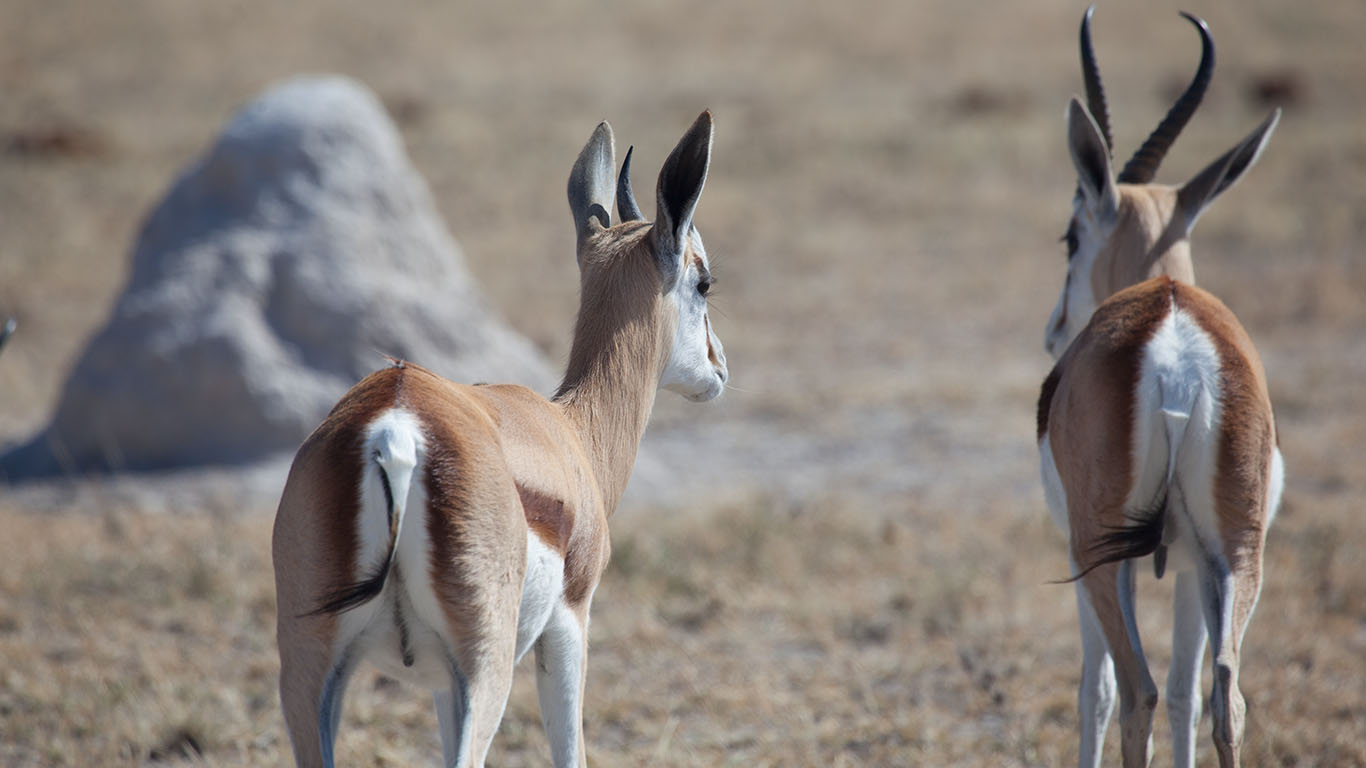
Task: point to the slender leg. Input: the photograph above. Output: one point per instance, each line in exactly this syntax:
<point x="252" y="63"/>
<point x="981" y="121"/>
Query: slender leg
<point x="301" y="683"/>
<point x="1230" y="594"/>
<point x="455" y="721"/>
<point x="1096" y="699"/>
<point x="560" y="674"/>
<point x="311" y="688"/>
<point x="1110" y="588"/>
<point x="330" y="704"/>
<point x="1183" y="679"/>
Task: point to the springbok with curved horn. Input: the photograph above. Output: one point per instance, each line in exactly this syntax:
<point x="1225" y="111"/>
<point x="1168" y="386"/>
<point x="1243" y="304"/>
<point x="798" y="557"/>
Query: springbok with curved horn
<point x="1155" y="431"/>
<point x="443" y="530"/>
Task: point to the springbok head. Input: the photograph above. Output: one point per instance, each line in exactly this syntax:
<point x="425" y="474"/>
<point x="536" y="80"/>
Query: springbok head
<point x="1126" y="228"/>
<point x="694" y="363"/>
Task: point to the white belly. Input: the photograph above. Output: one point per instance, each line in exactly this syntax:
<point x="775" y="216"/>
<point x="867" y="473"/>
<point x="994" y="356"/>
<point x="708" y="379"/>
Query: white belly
<point x="542" y="590"/>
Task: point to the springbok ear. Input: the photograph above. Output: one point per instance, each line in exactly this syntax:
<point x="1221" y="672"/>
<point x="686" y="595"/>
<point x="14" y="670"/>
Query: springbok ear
<point x="1091" y="158"/>
<point x="592" y="185"/>
<point x="626" y="198"/>
<point x="680" y="184"/>
<point x="1196" y="195"/>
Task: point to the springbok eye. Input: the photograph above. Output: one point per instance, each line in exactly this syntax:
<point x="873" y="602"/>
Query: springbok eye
<point x="704" y="285"/>
<point x="1071" y="239"/>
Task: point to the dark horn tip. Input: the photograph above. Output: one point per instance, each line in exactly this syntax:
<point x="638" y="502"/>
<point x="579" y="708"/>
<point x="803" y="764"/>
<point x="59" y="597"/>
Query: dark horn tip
<point x="1206" y="42"/>
<point x="1196" y="20"/>
<point x="1142" y="167"/>
<point x="626" y="198"/>
<point x="1095" y="91"/>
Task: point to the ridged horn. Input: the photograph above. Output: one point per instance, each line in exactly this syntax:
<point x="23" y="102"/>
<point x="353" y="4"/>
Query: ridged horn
<point x="626" y="199"/>
<point x="1142" y="167"/>
<point x="1095" y="92"/>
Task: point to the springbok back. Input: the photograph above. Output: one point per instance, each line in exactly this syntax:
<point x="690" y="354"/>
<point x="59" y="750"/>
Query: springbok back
<point x="1155" y="431"/>
<point x="442" y="530"/>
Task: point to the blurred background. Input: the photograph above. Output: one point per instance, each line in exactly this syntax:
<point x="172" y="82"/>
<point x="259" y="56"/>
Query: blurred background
<point x="853" y="569"/>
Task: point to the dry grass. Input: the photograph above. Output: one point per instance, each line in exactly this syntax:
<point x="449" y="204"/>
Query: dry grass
<point x="755" y="632"/>
<point x="856" y="571"/>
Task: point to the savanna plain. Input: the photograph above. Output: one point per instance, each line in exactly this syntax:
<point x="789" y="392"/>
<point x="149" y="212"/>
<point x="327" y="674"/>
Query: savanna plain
<point x="849" y="561"/>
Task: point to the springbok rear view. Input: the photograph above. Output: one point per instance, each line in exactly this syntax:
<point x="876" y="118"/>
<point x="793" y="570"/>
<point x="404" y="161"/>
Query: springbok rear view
<point x="442" y="530"/>
<point x="1155" y="431"/>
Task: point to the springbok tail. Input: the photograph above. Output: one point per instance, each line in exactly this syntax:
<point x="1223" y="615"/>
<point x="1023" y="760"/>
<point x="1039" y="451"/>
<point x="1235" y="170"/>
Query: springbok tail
<point x="392" y="451"/>
<point x="1143" y="532"/>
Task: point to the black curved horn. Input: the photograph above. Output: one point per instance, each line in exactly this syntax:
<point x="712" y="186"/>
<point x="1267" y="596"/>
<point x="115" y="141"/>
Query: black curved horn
<point x="1142" y="167"/>
<point x="1090" y="72"/>
<point x="626" y="199"/>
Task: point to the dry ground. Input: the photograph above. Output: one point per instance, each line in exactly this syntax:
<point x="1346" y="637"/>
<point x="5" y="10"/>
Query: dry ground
<point x="855" y="570"/>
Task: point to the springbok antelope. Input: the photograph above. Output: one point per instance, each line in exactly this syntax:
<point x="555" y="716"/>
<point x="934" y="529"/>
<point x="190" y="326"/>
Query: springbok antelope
<point x="443" y="530"/>
<point x="1155" y="431"/>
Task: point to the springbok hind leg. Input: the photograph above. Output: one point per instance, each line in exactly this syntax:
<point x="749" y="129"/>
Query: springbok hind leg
<point x="1111" y="591"/>
<point x="455" y="721"/>
<point x="561" y="668"/>
<point x="1183" y="679"/>
<point x="312" y="684"/>
<point x="1230" y="595"/>
<point x="1096" y="697"/>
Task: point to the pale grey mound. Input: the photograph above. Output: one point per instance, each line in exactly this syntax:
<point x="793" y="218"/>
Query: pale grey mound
<point x="279" y="270"/>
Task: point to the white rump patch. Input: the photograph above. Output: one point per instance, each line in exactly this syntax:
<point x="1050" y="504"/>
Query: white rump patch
<point x="1176" y="431"/>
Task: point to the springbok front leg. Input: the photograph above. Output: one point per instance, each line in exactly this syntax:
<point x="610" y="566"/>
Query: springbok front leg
<point x="561" y="666"/>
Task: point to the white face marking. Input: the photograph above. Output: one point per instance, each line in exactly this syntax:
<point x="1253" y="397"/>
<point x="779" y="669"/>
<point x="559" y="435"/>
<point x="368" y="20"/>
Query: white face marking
<point x="697" y="363"/>
<point x="1077" y="301"/>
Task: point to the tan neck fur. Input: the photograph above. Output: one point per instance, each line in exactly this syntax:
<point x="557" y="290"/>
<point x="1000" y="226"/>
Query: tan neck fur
<point x="621" y="342"/>
<point x="1149" y="240"/>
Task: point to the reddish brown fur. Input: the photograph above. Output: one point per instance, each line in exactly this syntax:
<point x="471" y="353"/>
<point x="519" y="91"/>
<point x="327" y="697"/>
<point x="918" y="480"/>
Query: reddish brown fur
<point x="1086" y="409"/>
<point x="1249" y="430"/>
<point x="549" y="518"/>
<point x="1242" y="467"/>
<point x="315" y="537"/>
<point x="1090" y="437"/>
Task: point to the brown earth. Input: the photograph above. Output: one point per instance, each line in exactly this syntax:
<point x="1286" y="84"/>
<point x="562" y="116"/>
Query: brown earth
<point x="853" y="566"/>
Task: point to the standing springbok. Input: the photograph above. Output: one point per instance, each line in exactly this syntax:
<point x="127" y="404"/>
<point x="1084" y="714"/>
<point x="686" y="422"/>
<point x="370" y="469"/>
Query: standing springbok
<point x="443" y="530"/>
<point x="1155" y="431"/>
